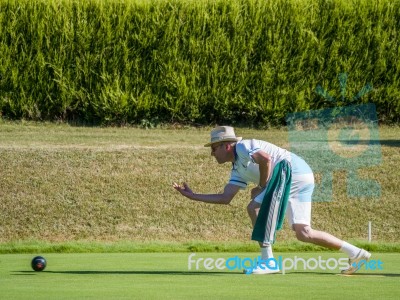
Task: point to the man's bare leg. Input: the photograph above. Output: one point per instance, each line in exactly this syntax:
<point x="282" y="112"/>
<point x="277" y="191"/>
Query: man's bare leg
<point x="306" y="234"/>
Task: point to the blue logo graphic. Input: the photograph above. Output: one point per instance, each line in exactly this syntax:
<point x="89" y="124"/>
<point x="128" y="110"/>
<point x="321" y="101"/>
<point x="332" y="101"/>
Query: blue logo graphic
<point x="279" y="264"/>
<point x="342" y="138"/>
<point x="369" y="265"/>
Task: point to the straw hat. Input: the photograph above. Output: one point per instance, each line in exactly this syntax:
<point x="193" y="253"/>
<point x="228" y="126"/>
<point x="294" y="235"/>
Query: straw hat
<point x="223" y="134"/>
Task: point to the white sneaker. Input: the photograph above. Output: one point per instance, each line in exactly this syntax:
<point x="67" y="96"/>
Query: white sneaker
<point x="356" y="263"/>
<point x="261" y="270"/>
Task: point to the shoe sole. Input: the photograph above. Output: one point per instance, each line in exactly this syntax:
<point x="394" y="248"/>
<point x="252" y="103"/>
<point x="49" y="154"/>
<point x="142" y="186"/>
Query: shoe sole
<point x="275" y="272"/>
<point x="249" y="271"/>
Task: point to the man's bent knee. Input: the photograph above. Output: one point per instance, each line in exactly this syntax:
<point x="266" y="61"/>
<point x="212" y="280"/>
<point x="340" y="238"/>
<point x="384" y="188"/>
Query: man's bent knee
<point x="253" y="207"/>
<point x="303" y="232"/>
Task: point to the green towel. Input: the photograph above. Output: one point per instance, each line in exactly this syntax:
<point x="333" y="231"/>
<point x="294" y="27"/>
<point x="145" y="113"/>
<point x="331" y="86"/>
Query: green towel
<point x="272" y="211"/>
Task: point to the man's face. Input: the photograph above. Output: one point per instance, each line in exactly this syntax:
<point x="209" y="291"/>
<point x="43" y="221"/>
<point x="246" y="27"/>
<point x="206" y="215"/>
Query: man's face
<point x="218" y="150"/>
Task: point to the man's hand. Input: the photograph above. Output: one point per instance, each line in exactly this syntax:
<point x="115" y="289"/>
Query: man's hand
<point x="184" y="190"/>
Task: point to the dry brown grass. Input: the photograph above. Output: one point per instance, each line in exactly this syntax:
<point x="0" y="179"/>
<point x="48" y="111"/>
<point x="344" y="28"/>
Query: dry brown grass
<point x="63" y="183"/>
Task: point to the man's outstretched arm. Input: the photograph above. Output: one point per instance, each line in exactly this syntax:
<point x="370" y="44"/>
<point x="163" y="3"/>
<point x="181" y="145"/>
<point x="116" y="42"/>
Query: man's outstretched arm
<point x="225" y="197"/>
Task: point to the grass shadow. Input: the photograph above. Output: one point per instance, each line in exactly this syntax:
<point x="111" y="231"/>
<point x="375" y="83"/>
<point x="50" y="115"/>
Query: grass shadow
<point x="89" y="272"/>
<point x="353" y="275"/>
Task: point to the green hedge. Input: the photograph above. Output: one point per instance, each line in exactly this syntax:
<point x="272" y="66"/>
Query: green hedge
<point x="236" y="61"/>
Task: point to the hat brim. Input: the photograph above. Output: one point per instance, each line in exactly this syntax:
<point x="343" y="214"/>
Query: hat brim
<point x="237" y="139"/>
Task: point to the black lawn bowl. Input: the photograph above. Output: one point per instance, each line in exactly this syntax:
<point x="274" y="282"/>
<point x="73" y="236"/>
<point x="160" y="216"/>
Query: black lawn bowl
<point x="38" y="263"/>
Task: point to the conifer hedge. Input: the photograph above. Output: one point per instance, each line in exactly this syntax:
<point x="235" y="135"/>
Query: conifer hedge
<point x="235" y="61"/>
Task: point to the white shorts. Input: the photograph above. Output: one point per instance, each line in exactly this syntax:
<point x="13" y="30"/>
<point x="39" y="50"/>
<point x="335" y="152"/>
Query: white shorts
<point x="299" y="204"/>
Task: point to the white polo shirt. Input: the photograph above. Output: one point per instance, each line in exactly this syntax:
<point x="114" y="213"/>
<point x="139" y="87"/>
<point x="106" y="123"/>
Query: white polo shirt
<point x="245" y="170"/>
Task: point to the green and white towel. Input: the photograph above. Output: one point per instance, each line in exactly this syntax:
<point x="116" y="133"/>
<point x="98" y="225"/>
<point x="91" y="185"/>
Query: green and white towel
<point x="272" y="211"/>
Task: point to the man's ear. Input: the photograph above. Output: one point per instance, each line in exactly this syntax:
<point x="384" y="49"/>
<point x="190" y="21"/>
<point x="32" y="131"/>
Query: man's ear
<point x="228" y="146"/>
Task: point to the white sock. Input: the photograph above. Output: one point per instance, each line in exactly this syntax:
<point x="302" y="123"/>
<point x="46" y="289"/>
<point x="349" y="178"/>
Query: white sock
<point x="349" y="249"/>
<point x="266" y="252"/>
